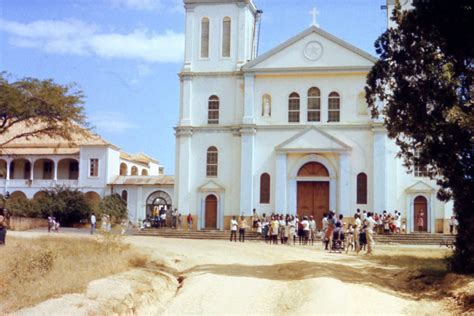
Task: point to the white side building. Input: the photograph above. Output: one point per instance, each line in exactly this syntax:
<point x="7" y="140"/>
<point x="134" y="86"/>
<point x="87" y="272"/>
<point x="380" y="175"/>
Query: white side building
<point x="92" y="165"/>
<point x="288" y="131"/>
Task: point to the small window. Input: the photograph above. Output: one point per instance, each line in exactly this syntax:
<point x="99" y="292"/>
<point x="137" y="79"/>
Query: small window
<point x="334" y="107"/>
<point x="134" y="171"/>
<point x="420" y="171"/>
<point x="94" y="167"/>
<point x="205" y="38"/>
<point x="314" y="105"/>
<point x="125" y="196"/>
<point x="212" y="162"/>
<point x="226" y="24"/>
<point x="213" y="110"/>
<point x="265" y="188"/>
<point x="294" y="108"/>
<point x="362" y="188"/>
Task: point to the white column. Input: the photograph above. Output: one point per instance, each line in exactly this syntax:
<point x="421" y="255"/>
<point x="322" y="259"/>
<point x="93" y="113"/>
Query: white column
<point x="221" y="211"/>
<point x="291" y="196"/>
<point x="241" y="39"/>
<point x="182" y="188"/>
<point x="55" y="175"/>
<point x="201" y="213"/>
<point x="246" y="171"/>
<point x="344" y="204"/>
<point x="140" y="209"/>
<point x="8" y="170"/>
<point x="249" y="97"/>
<point x="379" y="172"/>
<point x="332" y="194"/>
<point x="186" y="101"/>
<point x="431" y="214"/>
<point x="32" y="169"/>
<point x="409" y="213"/>
<point x="281" y="180"/>
<point x="324" y="107"/>
<point x="190" y="33"/>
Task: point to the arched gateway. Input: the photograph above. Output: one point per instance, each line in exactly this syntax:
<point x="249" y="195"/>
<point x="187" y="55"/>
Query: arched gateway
<point x="313" y="191"/>
<point x="158" y="200"/>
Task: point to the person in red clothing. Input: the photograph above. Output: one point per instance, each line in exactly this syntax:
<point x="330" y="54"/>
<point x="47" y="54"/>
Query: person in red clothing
<point x="189" y="219"/>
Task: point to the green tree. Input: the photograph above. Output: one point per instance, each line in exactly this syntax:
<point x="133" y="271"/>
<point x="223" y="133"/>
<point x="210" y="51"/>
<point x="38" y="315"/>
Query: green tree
<point x="424" y="78"/>
<point x="33" y="107"/>
<point x="114" y="206"/>
<point x="22" y="207"/>
<point x="68" y="205"/>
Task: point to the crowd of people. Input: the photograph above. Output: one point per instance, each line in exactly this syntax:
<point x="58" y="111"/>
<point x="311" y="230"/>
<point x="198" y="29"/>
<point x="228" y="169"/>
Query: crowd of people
<point x="161" y="218"/>
<point x="336" y="232"/>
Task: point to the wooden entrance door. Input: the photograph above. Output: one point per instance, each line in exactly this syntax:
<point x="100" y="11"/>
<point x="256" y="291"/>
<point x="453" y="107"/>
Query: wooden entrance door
<point x="421" y="213"/>
<point x="313" y="199"/>
<point x="210" y="220"/>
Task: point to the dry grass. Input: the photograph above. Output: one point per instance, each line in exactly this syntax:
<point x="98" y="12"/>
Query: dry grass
<point x="34" y="270"/>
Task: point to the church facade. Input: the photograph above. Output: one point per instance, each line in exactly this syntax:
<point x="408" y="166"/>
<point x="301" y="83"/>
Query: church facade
<point x="287" y="132"/>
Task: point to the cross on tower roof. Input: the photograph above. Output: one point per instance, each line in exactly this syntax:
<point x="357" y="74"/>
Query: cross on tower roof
<point x="314" y="13"/>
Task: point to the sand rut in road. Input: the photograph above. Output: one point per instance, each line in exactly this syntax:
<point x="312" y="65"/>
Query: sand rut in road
<point x="257" y="278"/>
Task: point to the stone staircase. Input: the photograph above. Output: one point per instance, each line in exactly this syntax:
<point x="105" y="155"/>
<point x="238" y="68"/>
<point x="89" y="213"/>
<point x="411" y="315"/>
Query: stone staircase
<point x="408" y="239"/>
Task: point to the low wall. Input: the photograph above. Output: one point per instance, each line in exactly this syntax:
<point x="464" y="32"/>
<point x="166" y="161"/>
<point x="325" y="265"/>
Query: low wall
<point x="26" y="223"/>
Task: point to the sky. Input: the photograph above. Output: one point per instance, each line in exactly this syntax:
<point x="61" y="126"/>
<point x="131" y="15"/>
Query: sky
<point x="125" y="54"/>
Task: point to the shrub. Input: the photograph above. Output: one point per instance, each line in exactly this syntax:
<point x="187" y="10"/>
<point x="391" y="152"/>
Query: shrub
<point x="114" y="206"/>
<point x="22" y="207"/>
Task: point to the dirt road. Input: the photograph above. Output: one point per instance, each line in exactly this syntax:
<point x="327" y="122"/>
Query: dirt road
<point x="223" y="277"/>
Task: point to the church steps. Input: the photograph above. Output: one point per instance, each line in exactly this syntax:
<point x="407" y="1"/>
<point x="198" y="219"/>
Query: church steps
<point x="412" y="239"/>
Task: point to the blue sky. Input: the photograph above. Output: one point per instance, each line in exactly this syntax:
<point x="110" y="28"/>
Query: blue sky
<point x="125" y="54"/>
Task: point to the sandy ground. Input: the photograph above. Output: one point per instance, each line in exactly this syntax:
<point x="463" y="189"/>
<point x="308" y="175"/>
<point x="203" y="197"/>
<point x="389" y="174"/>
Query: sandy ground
<point x="219" y="277"/>
<point x="255" y="278"/>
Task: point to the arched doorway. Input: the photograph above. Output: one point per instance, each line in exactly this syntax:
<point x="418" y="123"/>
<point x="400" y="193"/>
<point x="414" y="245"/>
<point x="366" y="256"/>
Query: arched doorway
<point x="420" y="207"/>
<point x="313" y="191"/>
<point x="159" y="200"/>
<point x="210" y="219"/>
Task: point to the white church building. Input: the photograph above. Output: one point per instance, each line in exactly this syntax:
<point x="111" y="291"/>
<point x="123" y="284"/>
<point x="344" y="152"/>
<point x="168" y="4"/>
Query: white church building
<point x="288" y="131"/>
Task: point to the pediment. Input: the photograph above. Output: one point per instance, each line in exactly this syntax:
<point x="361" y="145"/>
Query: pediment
<point x="313" y="140"/>
<point x="313" y="49"/>
<point x="211" y="186"/>
<point x="420" y="186"/>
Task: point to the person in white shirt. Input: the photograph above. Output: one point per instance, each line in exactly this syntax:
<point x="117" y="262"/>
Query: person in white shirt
<point x="370" y="233"/>
<point x="93" y="223"/>
<point x="306" y="230"/>
<point x="233" y="229"/>
<point x="312" y="229"/>
<point x="357" y="224"/>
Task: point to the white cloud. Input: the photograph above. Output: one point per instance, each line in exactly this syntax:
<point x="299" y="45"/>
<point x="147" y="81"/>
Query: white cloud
<point x="78" y="38"/>
<point x="111" y="122"/>
<point x="143" y="70"/>
<point x="166" y="6"/>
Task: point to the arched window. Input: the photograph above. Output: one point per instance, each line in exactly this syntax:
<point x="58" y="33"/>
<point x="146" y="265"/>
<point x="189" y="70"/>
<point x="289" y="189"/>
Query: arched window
<point x="213" y="110"/>
<point x="134" y="171"/>
<point x="294" y="108"/>
<point x="123" y="169"/>
<point x="334" y="107"/>
<point x="314" y="105"/>
<point x="212" y="161"/>
<point x="125" y="196"/>
<point x="144" y="172"/>
<point x="265" y="188"/>
<point x="361" y="188"/>
<point x="205" y="38"/>
<point x="226" y="37"/>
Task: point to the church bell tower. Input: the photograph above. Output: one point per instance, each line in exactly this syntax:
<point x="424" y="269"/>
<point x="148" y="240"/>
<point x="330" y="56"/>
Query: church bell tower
<point x="220" y="34"/>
